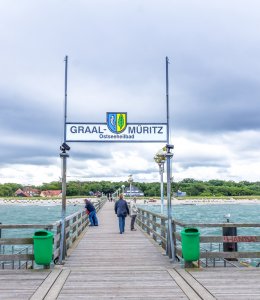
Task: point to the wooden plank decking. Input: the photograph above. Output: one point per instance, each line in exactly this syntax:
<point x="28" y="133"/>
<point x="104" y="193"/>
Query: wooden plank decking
<point x="21" y="284"/>
<point x="107" y="265"/>
<point x="230" y="283"/>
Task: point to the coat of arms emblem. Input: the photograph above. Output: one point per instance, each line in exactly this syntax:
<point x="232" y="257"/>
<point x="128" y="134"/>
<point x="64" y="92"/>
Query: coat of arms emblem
<point x="116" y="121"/>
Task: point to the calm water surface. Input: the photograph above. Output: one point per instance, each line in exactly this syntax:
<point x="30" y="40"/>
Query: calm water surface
<point x="212" y="213"/>
<point x="32" y="214"/>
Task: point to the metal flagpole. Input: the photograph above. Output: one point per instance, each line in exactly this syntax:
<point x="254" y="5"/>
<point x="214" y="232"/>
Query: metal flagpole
<point x="65" y="96"/>
<point x="170" y="246"/>
<point x="64" y="147"/>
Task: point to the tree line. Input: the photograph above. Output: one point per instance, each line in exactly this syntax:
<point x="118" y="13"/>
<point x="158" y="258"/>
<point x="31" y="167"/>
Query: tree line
<point x="192" y="187"/>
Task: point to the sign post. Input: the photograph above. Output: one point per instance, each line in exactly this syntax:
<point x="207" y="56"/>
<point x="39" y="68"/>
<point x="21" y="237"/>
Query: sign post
<point x="116" y="129"/>
<point x="169" y="155"/>
<point x="64" y="147"/>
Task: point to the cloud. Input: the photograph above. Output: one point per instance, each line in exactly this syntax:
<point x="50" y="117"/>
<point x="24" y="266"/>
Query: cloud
<point x="117" y="55"/>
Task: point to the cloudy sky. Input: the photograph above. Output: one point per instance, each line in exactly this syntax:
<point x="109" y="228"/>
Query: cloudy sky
<point x="117" y="51"/>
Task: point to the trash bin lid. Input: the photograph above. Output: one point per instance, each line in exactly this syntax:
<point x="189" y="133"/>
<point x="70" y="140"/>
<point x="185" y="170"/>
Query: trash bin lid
<point x="42" y="234"/>
<point x="190" y="231"/>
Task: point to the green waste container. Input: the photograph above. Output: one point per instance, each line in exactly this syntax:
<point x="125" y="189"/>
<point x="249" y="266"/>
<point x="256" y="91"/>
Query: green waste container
<point x="43" y="244"/>
<point x="190" y="239"/>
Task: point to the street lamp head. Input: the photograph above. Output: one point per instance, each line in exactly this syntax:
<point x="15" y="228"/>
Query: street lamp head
<point x="130" y="179"/>
<point x="159" y="158"/>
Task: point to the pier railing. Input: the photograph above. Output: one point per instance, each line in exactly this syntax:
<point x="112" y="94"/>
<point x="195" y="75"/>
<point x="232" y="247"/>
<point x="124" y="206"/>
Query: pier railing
<point x="16" y="253"/>
<point x="213" y="242"/>
<point x="153" y="224"/>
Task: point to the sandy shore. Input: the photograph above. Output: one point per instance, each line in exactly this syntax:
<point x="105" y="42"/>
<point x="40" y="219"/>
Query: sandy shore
<point x="206" y="201"/>
<point x="80" y="201"/>
<point x="42" y="201"/>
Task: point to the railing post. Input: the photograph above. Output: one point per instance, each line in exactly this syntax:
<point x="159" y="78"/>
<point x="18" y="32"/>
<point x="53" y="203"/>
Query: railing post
<point x="148" y="223"/>
<point x="163" y="233"/>
<point x="174" y="236"/>
<point x="154" y="228"/>
<point x="143" y="220"/>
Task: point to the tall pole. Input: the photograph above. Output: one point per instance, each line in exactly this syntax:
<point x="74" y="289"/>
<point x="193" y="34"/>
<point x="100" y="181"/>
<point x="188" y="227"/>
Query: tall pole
<point x="170" y="246"/>
<point x="65" y="97"/>
<point x="161" y="168"/>
<point x="130" y="180"/>
<point x="64" y="156"/>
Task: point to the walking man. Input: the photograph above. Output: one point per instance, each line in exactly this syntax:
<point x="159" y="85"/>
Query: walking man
<point x="121" y="210"/>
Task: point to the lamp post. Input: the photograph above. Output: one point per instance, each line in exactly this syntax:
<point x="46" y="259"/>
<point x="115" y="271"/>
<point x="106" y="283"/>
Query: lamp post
<point x="130" y="180"/>
<point x="159" y="158"/>
<point x="64" y="155"/>
<point x="123" y="189"/>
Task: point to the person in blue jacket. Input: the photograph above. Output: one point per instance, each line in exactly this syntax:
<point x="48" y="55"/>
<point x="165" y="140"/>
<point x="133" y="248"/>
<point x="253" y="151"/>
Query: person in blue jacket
<point x="91" y="213"/>
<point x="121" y="210"/>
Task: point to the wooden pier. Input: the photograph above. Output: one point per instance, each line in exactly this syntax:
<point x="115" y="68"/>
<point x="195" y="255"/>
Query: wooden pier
<point x="103" y="264"/>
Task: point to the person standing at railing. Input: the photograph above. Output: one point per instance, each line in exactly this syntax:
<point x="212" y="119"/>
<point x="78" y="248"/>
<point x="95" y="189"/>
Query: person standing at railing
<point x="133" y="213"/>
<point x="121" y="210"/>
<point x="92" y="215"/>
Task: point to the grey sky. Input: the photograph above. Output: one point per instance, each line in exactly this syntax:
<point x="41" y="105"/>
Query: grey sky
<point x="117" y="52"/>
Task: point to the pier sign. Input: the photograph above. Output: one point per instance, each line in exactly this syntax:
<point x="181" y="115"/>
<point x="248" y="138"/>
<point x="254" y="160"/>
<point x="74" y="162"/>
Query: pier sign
<point x="116" y="129"/>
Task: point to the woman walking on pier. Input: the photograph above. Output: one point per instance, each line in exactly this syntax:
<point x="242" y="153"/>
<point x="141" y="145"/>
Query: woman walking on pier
<point x="133" y="213"/>
<point x="121" y="210"/>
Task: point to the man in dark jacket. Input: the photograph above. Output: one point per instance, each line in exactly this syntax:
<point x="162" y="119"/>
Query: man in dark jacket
<point x="121" y="210"/>
<point x="91" y="213"/>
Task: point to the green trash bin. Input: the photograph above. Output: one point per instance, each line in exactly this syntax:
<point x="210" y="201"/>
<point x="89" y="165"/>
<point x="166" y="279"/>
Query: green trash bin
<point x="190" y="239"/>
<point x="43" y="245"/>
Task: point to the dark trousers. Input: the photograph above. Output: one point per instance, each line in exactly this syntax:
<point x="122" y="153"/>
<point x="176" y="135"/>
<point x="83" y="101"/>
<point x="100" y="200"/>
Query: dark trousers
<point x="93" y="218"/>
<point x="121" y="224"/>
<point x="133" y="222"/>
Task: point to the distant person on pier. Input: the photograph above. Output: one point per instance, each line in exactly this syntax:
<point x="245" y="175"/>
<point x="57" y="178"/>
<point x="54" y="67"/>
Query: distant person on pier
<point x="92" y="215"/>
<point x="133" y="213"/>
<point x="121" y="210"/>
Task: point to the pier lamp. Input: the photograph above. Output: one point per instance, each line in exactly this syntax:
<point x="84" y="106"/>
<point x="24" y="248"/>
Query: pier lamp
<point x="123" y="189"/>
<point x="160" y="158"/>
<point x="130" y="180"/>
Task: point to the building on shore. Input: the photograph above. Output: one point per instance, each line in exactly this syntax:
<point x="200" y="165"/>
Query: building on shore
<point x="135" y="192"/>
<point x="27" y="192"/>
<point x="179" y="194"/>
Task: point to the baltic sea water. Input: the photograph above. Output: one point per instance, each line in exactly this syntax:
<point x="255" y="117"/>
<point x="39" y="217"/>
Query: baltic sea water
<point x="212" y="213"/>
<point x="31" y="214"/>
<point x="215" y="213"/>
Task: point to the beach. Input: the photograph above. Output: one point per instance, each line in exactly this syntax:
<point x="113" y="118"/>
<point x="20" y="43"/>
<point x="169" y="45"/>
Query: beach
<point x="141" y="201"/>
<point x="42" y="201"/>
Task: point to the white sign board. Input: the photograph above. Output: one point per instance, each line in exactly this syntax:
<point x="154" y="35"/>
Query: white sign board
<point x="99" y="132"/>
<point x="116" y="129"/>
